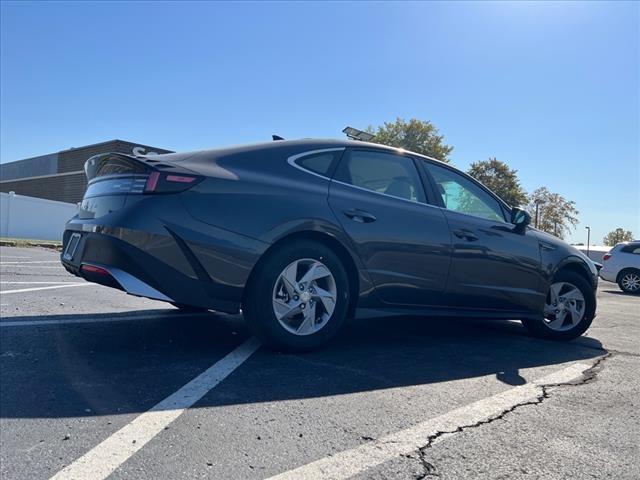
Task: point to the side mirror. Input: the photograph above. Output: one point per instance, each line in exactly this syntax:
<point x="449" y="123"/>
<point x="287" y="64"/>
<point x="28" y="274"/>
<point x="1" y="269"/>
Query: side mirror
<point x="520" y="218"/>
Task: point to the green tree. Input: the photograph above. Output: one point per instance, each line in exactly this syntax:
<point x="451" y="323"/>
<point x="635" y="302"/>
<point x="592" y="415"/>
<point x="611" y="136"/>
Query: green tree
<point x="617" y="236"/>
<point x="555" y="214"/>
<point x="415" y="135"/>
<point x="502" y="180"/>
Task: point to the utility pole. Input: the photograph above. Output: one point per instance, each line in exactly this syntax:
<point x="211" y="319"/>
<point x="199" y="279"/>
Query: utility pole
<point x="537" y="208"/>
<point x="588" y="238"/>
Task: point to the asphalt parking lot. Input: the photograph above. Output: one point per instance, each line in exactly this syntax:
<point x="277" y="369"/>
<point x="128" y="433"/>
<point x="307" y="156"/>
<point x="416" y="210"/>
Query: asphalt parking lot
<point x="96" y="383"/>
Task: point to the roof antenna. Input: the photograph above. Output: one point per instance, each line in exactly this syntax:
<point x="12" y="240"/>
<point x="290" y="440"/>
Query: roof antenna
<point x="276" y="138"/>
<point x="355" y="134"/>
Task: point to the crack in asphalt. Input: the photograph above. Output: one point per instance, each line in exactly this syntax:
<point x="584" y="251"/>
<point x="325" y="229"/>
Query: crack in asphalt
<point x="430" y="470"/>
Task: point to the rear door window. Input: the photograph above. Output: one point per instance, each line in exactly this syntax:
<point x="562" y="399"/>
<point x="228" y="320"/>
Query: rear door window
<point x="631" y="249"/>
<point x="319" y="163"/>
<point x="383" y="173"/>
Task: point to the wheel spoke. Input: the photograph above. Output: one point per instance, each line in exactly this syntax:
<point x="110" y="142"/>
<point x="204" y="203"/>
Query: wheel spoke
<point x="285" y="310"/>
<point x="554" y="292"/>
<point x="315" y="272"/>
<point x="574" y="313"/>
<point x="327" y="298"/>
<point x="574" y="294"/>
<point x="289" y="278"/>
<point x="558" y="322"/>
<point x="307" y="325"/>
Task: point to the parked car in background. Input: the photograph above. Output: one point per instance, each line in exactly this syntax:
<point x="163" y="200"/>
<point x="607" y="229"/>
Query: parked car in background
<point x="302" y="234"/>
<point x="622" y="266"/>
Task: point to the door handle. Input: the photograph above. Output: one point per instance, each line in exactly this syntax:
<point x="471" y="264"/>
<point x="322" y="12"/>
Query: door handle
<point x="466" y="235"/>
<point x="360" y="216"/>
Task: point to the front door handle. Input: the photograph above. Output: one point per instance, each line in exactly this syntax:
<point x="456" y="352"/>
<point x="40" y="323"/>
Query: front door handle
<point x="360" y="216"/>
<point x="466" y="235"/>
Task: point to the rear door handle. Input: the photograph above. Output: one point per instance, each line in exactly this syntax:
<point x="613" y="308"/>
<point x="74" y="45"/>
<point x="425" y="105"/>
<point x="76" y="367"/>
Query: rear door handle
<point x="360" y="216"/>
<point x="466" y="235"/>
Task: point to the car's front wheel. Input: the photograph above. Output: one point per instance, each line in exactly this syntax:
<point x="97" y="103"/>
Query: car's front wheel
<point x="629" y="281"/>
<point x="298" y="298"/>
<point x="568" y="311"/>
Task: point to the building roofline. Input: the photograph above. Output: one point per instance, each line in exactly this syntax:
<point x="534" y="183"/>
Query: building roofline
<point x="109" y="141"/>
<point x="98" y="144"/>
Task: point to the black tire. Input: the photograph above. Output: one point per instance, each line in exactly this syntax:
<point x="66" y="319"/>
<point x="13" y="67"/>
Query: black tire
<point x="189" y="308"/>
<point x="622" y="275"/>
<point x="538" y="327"/>
<point x="258" y="308"/>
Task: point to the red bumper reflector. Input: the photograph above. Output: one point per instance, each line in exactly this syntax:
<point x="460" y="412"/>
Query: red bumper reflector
<point x="93" y="269"/>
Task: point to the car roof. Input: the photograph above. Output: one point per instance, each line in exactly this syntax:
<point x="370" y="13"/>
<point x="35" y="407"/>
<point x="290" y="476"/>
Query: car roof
<point x="310" y="143"/>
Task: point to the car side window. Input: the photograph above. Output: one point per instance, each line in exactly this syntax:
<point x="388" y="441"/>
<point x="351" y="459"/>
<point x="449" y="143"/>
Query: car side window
<point x="462" y="195"/>
<point x="383" y="173"/>
<point x="631" y="249"/>
<point x="319" y="163"/>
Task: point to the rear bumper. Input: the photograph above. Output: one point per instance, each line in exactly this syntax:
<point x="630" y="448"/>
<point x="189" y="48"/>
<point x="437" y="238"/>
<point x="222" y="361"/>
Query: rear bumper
<point x="608" y="274"/>
<point x="137" y="272"/>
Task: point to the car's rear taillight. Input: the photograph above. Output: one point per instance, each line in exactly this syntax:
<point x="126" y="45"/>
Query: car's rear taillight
<point x="161" y="182"/>
<point x="606" y="256"/>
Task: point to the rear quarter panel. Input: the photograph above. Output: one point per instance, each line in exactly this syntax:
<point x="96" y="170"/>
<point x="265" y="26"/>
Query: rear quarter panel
<point x="261" y="196"/>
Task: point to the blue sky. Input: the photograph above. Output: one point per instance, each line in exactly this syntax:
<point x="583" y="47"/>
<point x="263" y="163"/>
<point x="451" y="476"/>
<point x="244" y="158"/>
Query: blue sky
<point x="550" y="88"/>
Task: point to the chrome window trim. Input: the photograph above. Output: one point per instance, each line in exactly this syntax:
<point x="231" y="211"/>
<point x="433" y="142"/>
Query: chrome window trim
<point x="292" y="160"/>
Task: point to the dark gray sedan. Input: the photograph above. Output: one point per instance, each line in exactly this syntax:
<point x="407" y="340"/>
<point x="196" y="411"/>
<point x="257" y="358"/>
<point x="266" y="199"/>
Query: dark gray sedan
<point x="302" y="234"/>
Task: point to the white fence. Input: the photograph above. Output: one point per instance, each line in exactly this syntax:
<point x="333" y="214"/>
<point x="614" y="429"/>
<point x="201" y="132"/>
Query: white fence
<point x="33" y="218"/>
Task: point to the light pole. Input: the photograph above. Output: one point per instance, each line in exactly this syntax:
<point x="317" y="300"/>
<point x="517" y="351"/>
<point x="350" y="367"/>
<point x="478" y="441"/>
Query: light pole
<point x="588" y="238"/>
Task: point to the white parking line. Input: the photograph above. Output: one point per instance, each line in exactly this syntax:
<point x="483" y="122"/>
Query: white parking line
<point x="128" y="318"/>
<point x="348" y="463"/>
<point x="103" y="459"/>
<point x="35" y="289"/>
<point x="22" y="263"/>
<point x="9" y="282"/>
<point x="33" y="266"/>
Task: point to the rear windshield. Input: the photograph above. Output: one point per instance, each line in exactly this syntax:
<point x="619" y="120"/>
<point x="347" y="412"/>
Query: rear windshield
<point x="101" y="165"/>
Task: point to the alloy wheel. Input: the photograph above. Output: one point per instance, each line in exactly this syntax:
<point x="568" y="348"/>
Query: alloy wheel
<point x="304" y="296"/>
<point x="630" y="282"/>
<point x="564" y="307"/>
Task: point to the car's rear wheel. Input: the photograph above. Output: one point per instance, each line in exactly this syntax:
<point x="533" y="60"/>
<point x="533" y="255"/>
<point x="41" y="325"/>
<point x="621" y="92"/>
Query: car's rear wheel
<point x="298" y="298"/>
<point x="629" y="280"/>
<point x="568" y="311"/>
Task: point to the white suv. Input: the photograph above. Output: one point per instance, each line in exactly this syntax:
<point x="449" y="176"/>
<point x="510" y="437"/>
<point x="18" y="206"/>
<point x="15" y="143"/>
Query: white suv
<point x="622" y="265"/>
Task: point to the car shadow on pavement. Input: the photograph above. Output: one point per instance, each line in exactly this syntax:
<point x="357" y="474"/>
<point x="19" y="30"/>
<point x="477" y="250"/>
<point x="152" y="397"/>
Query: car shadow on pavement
<point x="104" y="368"/>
